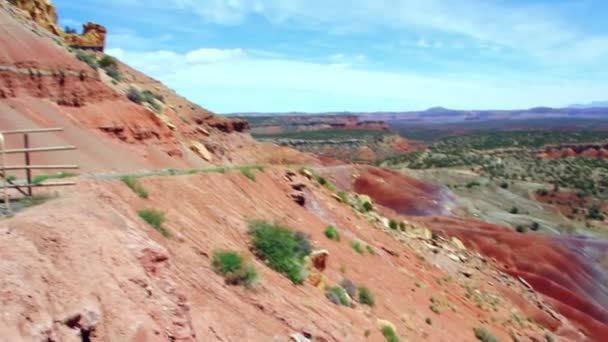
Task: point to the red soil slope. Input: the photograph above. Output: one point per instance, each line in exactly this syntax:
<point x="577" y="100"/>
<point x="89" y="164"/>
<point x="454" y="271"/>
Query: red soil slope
<point x="563" y="269"/>
<point x="88" y="255"/>
<point x="552" y="265"/>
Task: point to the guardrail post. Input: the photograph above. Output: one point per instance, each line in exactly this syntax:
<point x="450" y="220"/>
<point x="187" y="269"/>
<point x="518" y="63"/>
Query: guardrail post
<point x="28" y="172"/>
<point x="7" y="203"/>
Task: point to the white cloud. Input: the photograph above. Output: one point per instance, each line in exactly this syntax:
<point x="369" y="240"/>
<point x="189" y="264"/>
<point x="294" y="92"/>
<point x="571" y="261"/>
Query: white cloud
<point x="207" y="55"/>
<point x="254" y="82"/>
<point x="536" y="29"/>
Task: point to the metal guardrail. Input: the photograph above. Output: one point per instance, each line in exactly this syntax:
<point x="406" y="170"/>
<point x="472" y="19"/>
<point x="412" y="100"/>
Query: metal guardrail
<point x="26" y="189"/>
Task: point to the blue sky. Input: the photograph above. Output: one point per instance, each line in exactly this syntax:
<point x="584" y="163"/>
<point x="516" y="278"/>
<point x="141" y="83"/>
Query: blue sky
<point x="361" y="55"/>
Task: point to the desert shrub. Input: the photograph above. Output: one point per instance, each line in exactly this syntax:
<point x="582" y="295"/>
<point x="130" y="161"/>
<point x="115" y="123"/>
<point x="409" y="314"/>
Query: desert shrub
<point x="323" y="181"/>
<point x="358" y="246"/>
<point x="41" y="178"/>
<point x="282" y="249"/>
<point x="107" y="62"/>
<point x="155" y="218"/>
<point x="393" y="224"/>
<point x="402" y="226"/>
<point x="332" y="233"/>
<point x="521" y="229"/>
<point x="338" y="296"/>
<point x="134" y="185"/>
<point x="151" y="96"/>
<point x="535" y="226"/>
<point x="366" y="296"/>
<point x="349" y="287"/>
<point x="248" y="173"/>
<point x="595" y="213"/>
<point x="116" y="75"/>
<point x="484" y="335"/>
<point x="233" y="266"/>
<point x="389" y="334"/>
<point x="428" y="321"/>
<point x="69" y="30"/>
<point x="87" y="58"/>
<point x="514" y="210"/>
<point x="370" y="250"/>
<point x="367" y="207"/>
<point x="134" y="95"/>
<point x="11" y="178"/>
<point x="504" y="185"/>
<point x="343" y="196"/>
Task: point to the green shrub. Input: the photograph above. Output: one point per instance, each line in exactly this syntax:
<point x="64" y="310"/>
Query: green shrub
<point x="389" y="334"/>
<point x="521" y="229"/>
<point x="41" y="178"/>
<point x="366" y="297"/>
<point x="107" y="62"/>
<point x="133" y="183"/>
<point x="281" y="248"/>
<point x="114" y="73"/>
<point x="11" y="178"/>
<point x="337" y="295"/>
<point x="234" y="268"/>
<point x="370" y="250"/>
<point x="367" y="207"/>
<point x="155" y="218"/>
<point x="151" y="96"/>
<point x="393" y="224"/>
<point x="343" y="196"/>
<point x="514" y="210"/>
<point x="484" y="335"/>
<point x="349" y="287"/>
<point x="134" y="95"/>
<point x="248" y="173"/>
<point x="332" y="233"/>
<point x="87" y="58"/>
<point x="356" y="245"/>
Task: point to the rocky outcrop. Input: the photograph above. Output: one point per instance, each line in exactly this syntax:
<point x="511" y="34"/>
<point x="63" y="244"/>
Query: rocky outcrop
<point x="44" y="14"/>
<point x="41" y="11"/>
<point x="93" y="37"/>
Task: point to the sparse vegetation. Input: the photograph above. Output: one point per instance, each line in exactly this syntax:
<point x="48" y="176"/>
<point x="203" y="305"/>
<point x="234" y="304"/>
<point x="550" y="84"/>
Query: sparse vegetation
<point x="114" y="73"/>
<point x="338" y="296"/>
<point x="370" y="250"/>
<point x="389" y="334"/>
<point x="41" y="178"/>
<point x="357" y="246"/>
<point x="393" y="224"/>
<point x="332" y="233"/>
<point x="282" y="249"/>
<point x="134" y="185"/>
<point x="350" y="287"/>
<point x="247" y="171"/>
<point x="234" y="267"/>
<point x="366" y="296"/>
<point x="134" y="95"/>
<point x="107" y="62"/>
<point x="482" y="334"/>
<point x="87" y="58"/>
<point x="156" y="219"/>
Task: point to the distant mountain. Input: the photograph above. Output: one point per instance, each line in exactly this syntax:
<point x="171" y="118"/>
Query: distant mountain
<point x="594" y="104"/>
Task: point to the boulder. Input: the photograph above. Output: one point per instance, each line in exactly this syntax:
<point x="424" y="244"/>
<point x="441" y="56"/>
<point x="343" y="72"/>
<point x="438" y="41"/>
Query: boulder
<point x="201" y="150"/>
<point x="458" y="244"/>
<point x="318" y="259"/>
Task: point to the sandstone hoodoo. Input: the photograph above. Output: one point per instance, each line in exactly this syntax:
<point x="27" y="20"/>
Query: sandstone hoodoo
<point x="93" y="36"/>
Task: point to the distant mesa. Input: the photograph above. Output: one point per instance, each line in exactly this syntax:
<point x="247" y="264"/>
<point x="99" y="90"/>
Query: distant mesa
<point x="43" y="12"/>
<point x="594" y="104"/>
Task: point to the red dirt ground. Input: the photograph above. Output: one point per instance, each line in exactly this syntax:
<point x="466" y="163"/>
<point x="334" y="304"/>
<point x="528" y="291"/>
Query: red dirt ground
<point x="547" y="263"/>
